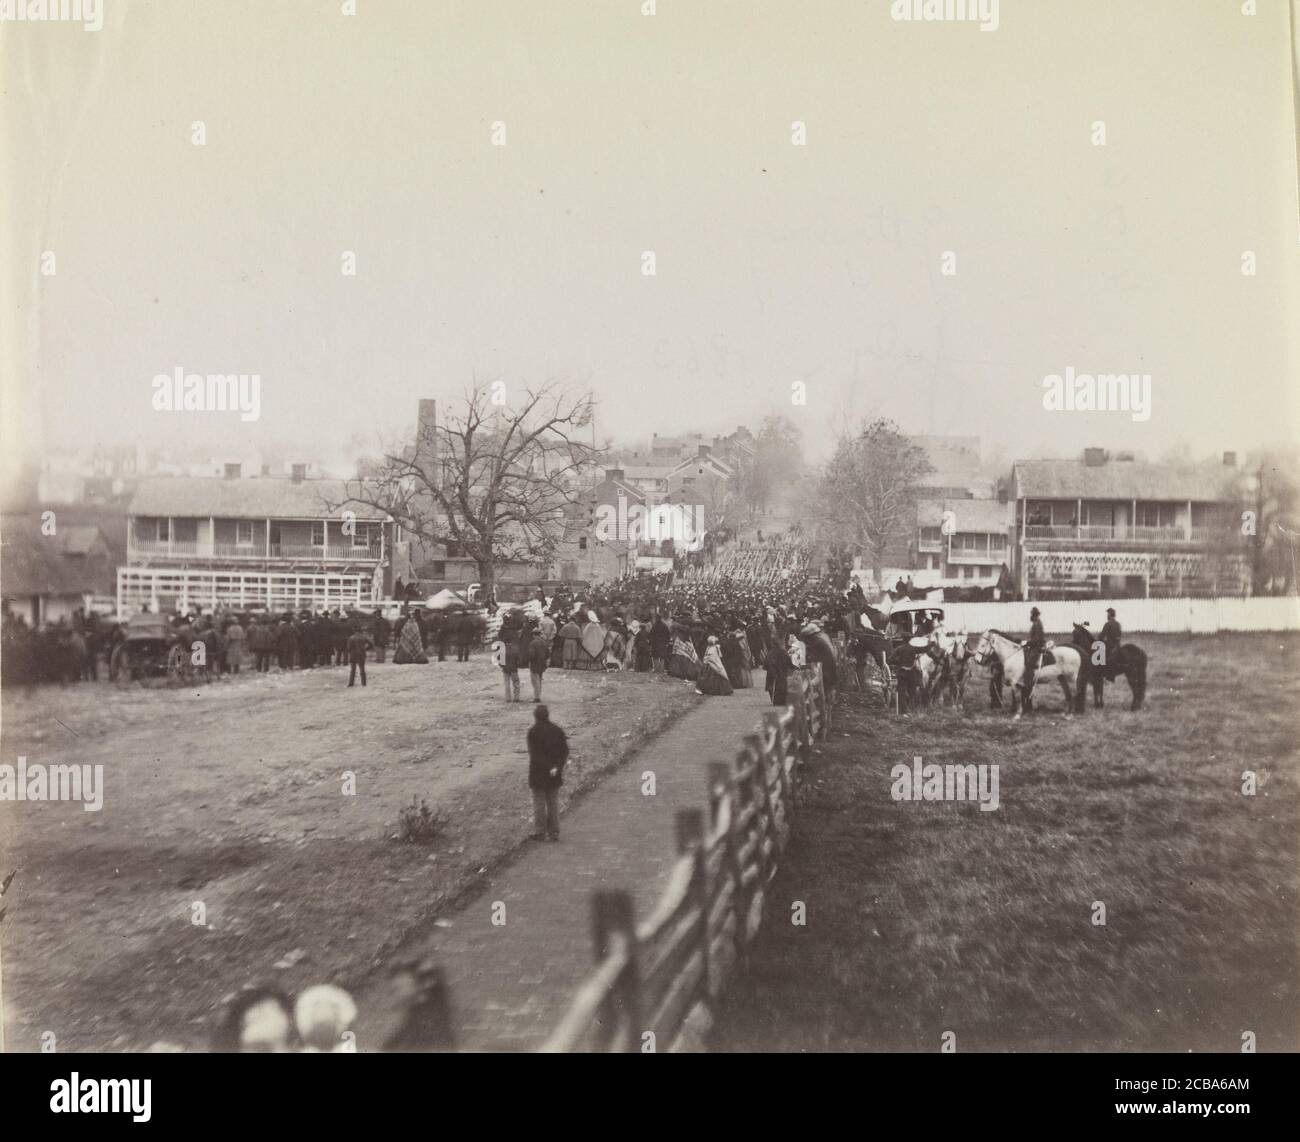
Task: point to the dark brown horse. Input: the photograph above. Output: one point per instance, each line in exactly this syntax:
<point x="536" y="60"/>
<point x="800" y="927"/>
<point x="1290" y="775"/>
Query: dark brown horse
<point x="1129" y="661"/>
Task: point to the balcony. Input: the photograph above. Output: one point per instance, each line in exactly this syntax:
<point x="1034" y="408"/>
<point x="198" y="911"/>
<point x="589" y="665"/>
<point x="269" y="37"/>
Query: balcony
<point x="248" y="552"/>
<point x="979" y="558"/>
<point x="1122" y="533"/>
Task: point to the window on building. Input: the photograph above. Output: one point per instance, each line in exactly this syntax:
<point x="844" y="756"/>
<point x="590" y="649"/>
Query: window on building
<point x="361" y="535"/>
<point x="931" y="535"/>
<point x="440" y="569"/>
<point x="1155" y="515"/>
<point x="582" y="544"/>
<point x="318" y="534"/>
<point x="244" y="532"/>
<point x="162" y="530"/>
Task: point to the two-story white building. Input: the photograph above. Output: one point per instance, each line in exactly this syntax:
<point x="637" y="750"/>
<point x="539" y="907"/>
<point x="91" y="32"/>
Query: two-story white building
<point x="1120" y="527"/>
<point x="266" y="542"/>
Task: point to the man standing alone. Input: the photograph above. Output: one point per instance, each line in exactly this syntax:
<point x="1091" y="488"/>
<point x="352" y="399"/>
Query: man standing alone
<point x="548" y="750"/>
<point x="358" y="643"/>
<point x="539" y="657"/>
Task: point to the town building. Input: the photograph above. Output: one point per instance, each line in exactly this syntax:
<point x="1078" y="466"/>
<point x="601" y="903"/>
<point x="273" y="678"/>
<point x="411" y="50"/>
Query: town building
<point x="49" y="570"/>
<point x="281" y="544"/>
<point x="964" y="542"/>
<point x="1115" y="527"/>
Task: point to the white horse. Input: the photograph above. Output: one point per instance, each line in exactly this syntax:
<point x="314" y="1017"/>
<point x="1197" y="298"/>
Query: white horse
<point x="1064" y="669"/>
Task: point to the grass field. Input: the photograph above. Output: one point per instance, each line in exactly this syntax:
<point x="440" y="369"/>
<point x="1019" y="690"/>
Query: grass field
<point x="231" y="796"/>
<point x="927" y="917"/>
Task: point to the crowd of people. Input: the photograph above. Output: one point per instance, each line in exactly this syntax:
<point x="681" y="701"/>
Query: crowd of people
<point x="758" y="609"/>
<point x="80" y="647"/>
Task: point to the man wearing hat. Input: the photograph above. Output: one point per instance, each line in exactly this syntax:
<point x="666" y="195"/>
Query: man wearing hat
<point x="1034" y="645"/>
<point x="1110" y="636"/>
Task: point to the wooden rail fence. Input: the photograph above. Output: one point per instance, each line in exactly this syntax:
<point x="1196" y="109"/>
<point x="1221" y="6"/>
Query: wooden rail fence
<point x="664" y="975"/>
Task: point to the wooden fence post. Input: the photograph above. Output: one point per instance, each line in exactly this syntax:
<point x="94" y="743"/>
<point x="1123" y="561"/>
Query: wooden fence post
<point x="772" y="720"/>
<point x="766" y="815"/>
<point x="612" y="914"/>
<point x="690" y="840"/>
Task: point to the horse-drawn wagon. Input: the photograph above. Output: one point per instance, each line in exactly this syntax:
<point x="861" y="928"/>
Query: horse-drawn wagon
<point x="146" y="646"/>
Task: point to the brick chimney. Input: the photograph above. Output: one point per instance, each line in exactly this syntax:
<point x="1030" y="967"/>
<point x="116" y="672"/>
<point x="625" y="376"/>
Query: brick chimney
<point x="704" y="451"/>
<point x="1229" y="459"/>
<point x="426" y="437"/>
<point x="299" y="473"/>
<point x="613" y="473"/>
<point x="1094" y="457"/>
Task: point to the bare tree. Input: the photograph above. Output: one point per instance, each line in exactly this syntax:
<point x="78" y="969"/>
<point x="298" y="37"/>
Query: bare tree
<point x="492" y="478"/>
<point x="866" y="496"/>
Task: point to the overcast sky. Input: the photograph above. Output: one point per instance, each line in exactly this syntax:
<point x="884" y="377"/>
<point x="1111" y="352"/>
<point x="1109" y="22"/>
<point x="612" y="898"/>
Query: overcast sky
<point x="669" y="133"/>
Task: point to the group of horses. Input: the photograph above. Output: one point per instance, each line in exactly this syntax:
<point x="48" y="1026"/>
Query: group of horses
<point x="938" y="671"/>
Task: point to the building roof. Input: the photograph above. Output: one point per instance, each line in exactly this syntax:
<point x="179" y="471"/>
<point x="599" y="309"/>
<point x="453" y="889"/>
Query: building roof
<point x="35" y="564"/>
<point x="1121" y="480"/>
<point x="262" y="498"/>
<point x="647" y="472"/>
<point x="720" y="467"/>
<point x="982" y="516"/>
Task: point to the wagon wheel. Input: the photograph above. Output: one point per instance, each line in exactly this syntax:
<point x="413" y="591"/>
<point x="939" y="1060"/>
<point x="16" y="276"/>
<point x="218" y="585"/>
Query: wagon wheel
<point x="119" y="666"/>
<point x="888" y="688"/>
<point x="176" y="662"/>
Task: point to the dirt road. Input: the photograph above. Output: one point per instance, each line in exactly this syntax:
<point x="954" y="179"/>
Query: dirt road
<point x="229" y="842"/>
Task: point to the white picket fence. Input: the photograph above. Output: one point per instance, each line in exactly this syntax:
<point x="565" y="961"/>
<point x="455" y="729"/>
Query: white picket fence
<point x="1167" y="616"/>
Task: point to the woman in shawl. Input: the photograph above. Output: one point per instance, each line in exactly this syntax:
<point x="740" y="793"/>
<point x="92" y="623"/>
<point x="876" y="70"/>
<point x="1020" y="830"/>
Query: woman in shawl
<point x="713" y="675"/>
<point x="778" y="667"/>
<point x="743" y="678"/>
<point x="615" y="649"/>
<point x="683" y="662"/>
<point x="592" y="656"/>
<point x="410" y="644"/>
<point x="571" y="640"/>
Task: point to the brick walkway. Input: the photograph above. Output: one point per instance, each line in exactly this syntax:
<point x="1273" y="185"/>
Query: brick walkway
<point x="511" y="984"/>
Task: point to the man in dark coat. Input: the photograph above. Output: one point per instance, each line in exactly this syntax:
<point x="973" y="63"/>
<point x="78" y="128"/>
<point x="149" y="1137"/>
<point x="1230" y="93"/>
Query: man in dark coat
<point x="383" y="628"/>
<point x="1111" y="635"/>
<point x="539" y="657"/>
<point x="442" y="632"/>
<point x="1034" y="645"/>
<point x="661" y="643"/>
<point x="465" y="628"/>
<point x="548" y="751"/>
<point x="358" y="644"/>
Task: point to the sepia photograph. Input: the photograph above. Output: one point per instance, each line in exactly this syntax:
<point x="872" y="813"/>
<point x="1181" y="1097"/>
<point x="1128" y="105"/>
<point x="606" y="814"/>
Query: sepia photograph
<point x="804" y="495"/>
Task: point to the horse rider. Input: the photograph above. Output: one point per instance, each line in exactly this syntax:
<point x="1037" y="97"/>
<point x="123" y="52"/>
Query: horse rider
<point x="1034" y="646"/>
<point x="1110" y="636"/>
